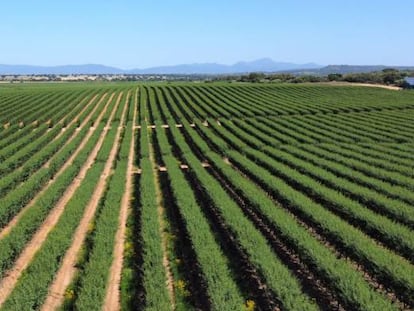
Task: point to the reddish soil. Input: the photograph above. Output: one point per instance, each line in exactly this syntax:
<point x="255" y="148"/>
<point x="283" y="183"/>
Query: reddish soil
<point x="67" y="269"/>
<point x="4" y="231"/>
<point x="112" y="302"/>
<point x="9" y="281"/>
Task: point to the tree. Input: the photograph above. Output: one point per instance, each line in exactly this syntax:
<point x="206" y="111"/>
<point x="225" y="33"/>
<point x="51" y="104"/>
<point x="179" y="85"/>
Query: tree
<point x="391" y="76"/>
<point x="335" y="77"/>
<point x="253" y="77"/>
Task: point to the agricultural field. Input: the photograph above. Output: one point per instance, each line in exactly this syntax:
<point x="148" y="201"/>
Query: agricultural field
<point x="212" y="196"/>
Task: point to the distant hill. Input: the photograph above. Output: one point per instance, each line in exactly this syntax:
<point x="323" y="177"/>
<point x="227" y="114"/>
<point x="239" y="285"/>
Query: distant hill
<point x="345" y="69"/>
<point x="68" y="69"/>
<point x="262" y="65"/>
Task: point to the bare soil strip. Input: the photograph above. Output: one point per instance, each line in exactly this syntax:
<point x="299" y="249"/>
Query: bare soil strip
<point x="388" y="87"/>
<point x="4" y="231"/>
<point x="112" y="302"/>
<point x="8" y="283"/>
<point x="68" y="269"/>
<point x="161" y="212"/>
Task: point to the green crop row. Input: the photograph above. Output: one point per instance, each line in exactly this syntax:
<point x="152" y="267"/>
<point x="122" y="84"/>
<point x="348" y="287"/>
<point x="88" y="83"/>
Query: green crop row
<point x="349" y="284"/>
<point x="29" y="146"/>
<point x="15" y="200"/>
<point x="222" y="289"/>
<point x="398" y="209"/>
<point x="251" y="241"/>
<point x="93" y="277"/>
<point x="32" y="287"/>
<point x="10" y="181"/>
<point x="13" y="243"/>
<point x="378" y="260"/>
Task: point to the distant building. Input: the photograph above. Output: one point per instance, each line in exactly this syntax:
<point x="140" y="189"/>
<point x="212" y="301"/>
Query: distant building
<point x="410" y="81"/>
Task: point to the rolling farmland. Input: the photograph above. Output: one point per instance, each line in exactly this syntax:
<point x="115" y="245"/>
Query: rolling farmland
<point x="213" y="196"/>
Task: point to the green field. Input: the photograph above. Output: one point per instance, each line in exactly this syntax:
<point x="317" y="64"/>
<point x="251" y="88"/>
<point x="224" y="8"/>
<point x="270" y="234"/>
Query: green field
<point x="206" y="196"/>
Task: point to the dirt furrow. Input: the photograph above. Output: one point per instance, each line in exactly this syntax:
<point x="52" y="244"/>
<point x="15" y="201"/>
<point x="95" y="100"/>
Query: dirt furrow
<point x="9" y="281"/>
<point x="112" y="302"/>
<point x="5" y="230"/>
<point x="340" y="252"/>
<point x="311" y="284"/>
<point x="67" y="269"/>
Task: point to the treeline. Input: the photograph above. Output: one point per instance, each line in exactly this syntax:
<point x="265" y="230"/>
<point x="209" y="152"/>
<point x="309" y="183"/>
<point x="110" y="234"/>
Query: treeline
<point x="387" y="76"/>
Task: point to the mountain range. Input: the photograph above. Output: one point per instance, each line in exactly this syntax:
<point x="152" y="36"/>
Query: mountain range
<point x="260" y="65"/>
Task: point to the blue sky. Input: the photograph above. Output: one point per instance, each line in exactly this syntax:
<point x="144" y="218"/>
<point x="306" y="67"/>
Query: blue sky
<point x="143" y="33"/>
